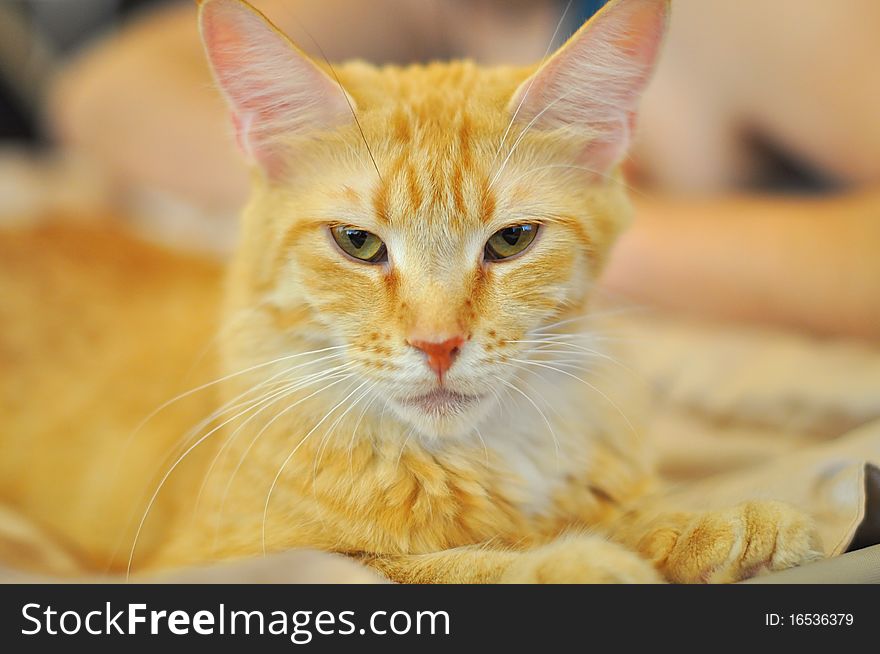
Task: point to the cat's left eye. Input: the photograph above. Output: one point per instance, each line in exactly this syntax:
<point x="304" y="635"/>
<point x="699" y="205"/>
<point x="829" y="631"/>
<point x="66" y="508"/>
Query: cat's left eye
<point x="510" y="241"/>
<point x="360" y="244"/>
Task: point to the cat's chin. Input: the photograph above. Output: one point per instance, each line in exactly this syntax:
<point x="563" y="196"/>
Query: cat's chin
<point x="441" y="412"/>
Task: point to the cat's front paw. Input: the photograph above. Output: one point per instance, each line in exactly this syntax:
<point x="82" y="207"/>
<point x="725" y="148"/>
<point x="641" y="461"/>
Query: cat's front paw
<point x="734" y="544"/>
<point x="580" y="560"/>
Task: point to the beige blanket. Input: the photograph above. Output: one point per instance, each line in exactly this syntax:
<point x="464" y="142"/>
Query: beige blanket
<point x="742" y="412"/>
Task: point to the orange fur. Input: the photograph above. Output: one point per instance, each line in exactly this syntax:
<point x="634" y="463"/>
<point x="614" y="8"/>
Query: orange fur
<point x="538" y="479"/>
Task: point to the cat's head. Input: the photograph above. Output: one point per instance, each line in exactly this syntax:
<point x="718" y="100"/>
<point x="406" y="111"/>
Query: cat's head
<point x="426" y="219"/>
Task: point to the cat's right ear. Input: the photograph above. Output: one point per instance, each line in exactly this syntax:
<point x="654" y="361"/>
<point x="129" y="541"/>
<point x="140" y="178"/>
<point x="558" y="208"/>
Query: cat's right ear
<point x="275" y="92"/>
<point x="591" y="86"/>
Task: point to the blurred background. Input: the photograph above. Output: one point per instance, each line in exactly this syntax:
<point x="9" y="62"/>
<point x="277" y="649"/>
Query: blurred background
<point x="36" y="37"/>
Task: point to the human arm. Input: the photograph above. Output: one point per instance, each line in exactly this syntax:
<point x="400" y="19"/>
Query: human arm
<point x="807" y="262"/>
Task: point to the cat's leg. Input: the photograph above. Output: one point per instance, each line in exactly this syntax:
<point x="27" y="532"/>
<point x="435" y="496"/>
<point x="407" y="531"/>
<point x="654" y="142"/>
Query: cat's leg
<point x="569" y="559"/>
<point x="720" y="546"/>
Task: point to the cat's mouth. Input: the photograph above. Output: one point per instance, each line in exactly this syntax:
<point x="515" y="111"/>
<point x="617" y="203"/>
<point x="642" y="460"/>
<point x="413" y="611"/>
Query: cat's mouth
<point x="440" y="401"/>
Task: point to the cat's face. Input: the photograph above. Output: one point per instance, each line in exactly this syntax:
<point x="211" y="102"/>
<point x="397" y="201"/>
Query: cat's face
<point x="465" y="210"/>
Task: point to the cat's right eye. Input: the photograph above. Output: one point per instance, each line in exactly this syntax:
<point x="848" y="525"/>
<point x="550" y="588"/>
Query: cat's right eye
<point x="360" y="244"/>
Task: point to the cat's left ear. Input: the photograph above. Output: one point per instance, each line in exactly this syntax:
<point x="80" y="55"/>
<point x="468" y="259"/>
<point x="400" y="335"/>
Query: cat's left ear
<point x="592" y="84"/>
<point x="273" y="89"/>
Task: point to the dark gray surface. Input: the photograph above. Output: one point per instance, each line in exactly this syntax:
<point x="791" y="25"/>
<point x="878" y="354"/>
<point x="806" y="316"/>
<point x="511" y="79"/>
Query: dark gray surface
<point x="859" y="567"/>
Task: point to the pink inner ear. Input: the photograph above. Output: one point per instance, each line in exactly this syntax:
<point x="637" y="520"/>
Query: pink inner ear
<point x="642" y="30"/>
<point x="273" y="89"/>
<point x="241" y="131"/>
<point x="602" y="154"/>
<point x="593" y="83"/>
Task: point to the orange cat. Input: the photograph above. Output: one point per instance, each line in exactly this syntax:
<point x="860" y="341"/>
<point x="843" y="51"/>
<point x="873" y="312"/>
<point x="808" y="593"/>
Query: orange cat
<point x="404" y="372"/>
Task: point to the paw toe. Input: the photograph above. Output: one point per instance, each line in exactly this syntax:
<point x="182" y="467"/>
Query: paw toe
<point x="738" y="543"/>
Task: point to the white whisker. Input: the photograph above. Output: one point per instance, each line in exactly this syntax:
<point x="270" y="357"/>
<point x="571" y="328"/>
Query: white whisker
<point x="326" y="437"/>
<point x="287" y="460"/>
<point x="267" y="402"/>
<point x="162" y="484"/>
<point x="265" y="427"/>
<point x="525" y="130"/>
<point x="354" y="432"/>
<point x="271" y="381"/>
<point x="542" y="414"/>
<point x="586" y="383"/>
<point x="403" y="447"/>
<point x="220" y="380"/>
<point x="529" y="87"/>
<point x="483" y="441"/>
<point x="545" y="345"/>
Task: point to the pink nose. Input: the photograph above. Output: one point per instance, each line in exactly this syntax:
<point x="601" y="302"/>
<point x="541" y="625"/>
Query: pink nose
<point x="440" y="354"/>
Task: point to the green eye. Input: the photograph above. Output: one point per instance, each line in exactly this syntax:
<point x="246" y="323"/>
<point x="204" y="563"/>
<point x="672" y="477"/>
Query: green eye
<point x="510" y="241"/>
<point x="360" y="244"/>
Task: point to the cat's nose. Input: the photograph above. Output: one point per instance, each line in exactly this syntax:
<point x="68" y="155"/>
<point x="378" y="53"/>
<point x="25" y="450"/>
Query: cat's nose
<point x="440" y="354"/>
